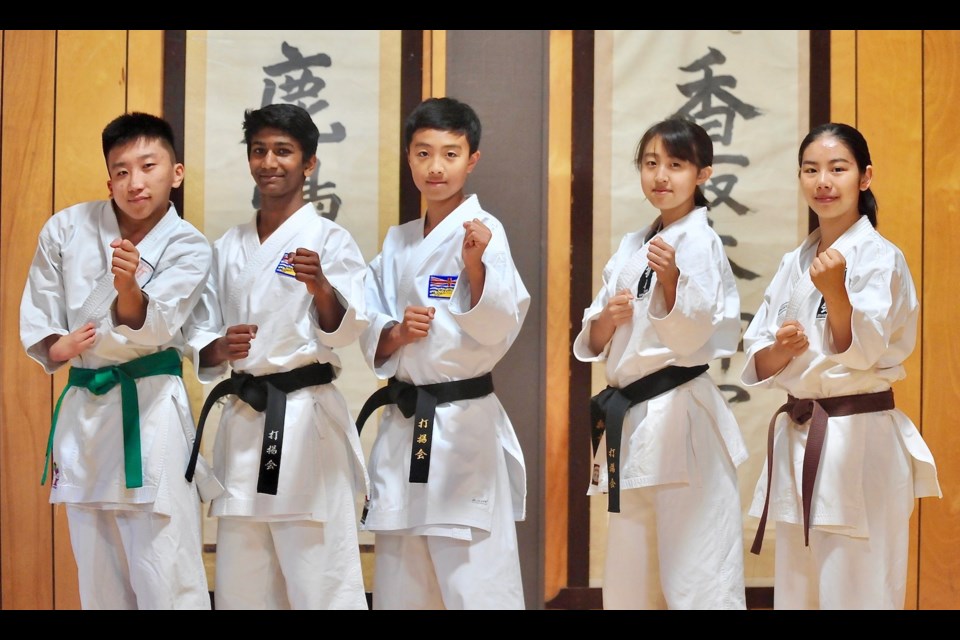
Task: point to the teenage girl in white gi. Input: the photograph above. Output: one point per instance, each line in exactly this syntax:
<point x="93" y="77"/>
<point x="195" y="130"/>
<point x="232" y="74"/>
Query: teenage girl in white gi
<point x="835" y="326"/>
<point x="668" y="306"/>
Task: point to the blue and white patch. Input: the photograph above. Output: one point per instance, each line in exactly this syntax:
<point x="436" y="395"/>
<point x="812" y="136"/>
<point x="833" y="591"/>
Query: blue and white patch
<point x="441" y="286"/>
<point x="285" y="266"/>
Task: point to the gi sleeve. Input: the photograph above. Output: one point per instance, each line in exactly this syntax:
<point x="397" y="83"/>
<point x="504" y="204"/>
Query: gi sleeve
<point x="42" y="312"/>
<point x="379" y="312"/>
<point x="581" y="344"/>
<point x="344" y="267"/>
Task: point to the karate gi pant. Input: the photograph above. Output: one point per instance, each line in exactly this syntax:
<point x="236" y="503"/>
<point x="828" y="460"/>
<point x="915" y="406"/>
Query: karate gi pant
<point x="439" y="572"/>
<point x="140" y="559"/>
<point x="680" y="546"/>
<point x="838" y="571"/>
<point x="297" y="564"/>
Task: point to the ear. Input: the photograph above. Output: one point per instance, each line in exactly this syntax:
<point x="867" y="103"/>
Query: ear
<point x="866" y="178"/>
<point x="473" y="160"/>
<point x="310" y="165"/>
<point x="110" y="187"/>
<point x="177" y="174"/>
<point x="704" y="174"/>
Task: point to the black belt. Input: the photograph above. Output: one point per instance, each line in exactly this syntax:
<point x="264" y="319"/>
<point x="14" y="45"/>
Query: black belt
<point x="608" y="408"/>
<point x="266" y="394"/>
<point x="817" y="411"/>
<point x="421" y="401"/>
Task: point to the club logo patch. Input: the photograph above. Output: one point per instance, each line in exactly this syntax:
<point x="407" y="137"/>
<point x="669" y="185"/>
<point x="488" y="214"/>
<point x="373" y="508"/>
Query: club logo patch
<point x="441" y="286"/>
<point x="822" y="309"/>
<point x="285" y="267"/>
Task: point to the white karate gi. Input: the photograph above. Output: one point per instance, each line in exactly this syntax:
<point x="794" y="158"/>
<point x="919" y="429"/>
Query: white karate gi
<point x="477" y="483"/>
<point x="681" y="448"/>
<point x="308" y="530"/>
<point x="872" y="465"/>
<point x="137" y="547"/>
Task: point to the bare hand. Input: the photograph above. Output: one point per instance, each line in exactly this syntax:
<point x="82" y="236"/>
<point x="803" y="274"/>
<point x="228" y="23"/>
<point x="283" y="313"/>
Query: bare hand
<point x="415" y="325"/>
<point x="475" y="241"/>
<point x="828" y="271"/>
<point x="791" y="339"/>
<point x="662" y="259"/>
<point x="73" y="344"/>
<point x="235" y="345"/>
<point x="619" y="309"/>
<point x="306" y="266"/>
<point x="124" y="265"/>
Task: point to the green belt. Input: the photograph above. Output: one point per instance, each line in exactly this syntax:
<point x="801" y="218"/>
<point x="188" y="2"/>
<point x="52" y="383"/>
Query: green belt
<point x="102" y="380"/>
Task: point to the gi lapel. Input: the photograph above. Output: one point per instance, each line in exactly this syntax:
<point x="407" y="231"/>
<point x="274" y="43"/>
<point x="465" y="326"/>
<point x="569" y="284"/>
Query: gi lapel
<point x="151" y="249"/>
<point x="266" y="256"/>
<point x="449" y="230"/>
<point x="803" y="286"/>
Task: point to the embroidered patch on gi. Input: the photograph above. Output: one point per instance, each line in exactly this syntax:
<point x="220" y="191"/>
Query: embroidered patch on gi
<point x="595" y="480"/>
<point x="285" y="267"/>
<point x="822" y="309"/>
<point x="441" y="286"/>
<point x="56" y="476"/>
<point x="782" y="312"/>
<point x="366" y="510"/>
<point x="646" y="279"/>
<point x="144" y="272"/>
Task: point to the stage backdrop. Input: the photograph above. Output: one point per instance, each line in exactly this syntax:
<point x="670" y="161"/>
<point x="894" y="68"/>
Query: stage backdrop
<point x="748" y="89"/>
<point x="349" y="82"/>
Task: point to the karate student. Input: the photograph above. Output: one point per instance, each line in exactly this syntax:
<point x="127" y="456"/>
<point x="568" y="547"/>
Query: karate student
<point x="286" y="290"/>
<point x="666" y="444"/>
<point x="844" y="466"/>
<point x="448" y="481"/>
<point x="111" y="284"/>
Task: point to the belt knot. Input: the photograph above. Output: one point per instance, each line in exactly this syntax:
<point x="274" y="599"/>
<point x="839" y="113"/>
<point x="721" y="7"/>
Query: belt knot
<point x="103" y="380"/>
<point x="801" y="410"/>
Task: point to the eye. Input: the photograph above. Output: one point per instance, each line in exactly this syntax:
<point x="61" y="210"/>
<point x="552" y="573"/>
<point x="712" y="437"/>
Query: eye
<point x="452" y="154"/>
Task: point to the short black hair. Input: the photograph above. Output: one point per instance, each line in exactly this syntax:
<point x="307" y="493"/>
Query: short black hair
<point x="136" y="125"/>
<point x="289" y="118"/>
<point x="443" y="114"/>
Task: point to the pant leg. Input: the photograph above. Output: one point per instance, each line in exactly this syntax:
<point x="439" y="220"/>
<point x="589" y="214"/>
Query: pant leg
<point x="482" y="573"/>
<point x="102" y="571"/>
<point x="631" y="576"/>
<point x="404" y="577"/>
<point x="700" y="528"/>
<point x="321" y="562"/>
<point x="248" y="571"/>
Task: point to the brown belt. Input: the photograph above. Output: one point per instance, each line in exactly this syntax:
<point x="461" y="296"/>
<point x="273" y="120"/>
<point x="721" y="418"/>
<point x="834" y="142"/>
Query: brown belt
<point x="817" y="411"/>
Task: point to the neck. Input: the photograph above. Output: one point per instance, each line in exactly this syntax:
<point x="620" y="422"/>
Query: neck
<point x="438" y="210"/>
<point x="669" y="216"/>
<point x="830" y="230"/>
<point x="274" y="212"/>
<point x="136" y="230"/>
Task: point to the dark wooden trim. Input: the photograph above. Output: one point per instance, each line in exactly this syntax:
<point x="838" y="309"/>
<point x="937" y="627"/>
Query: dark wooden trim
<point x="411" y="94"/>
<point x="581" y="294"/>
<point x="174" y="95"/>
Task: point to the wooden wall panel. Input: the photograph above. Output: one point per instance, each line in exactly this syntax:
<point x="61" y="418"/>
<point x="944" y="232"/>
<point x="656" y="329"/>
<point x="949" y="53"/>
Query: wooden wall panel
<point x="843" y="77"/>
<point x="890" y="116"/>
<point x="145" y="71"/>
<point x="26" y="197"/>
<point x="558" y="312"/>
<point x="939" y="519"/>
<point x="91" y="91"/>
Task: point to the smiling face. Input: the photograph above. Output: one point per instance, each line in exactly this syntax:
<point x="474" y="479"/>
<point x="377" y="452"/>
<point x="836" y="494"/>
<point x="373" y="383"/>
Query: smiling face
<point x="831" y="181"/>
<point x="277" y="164"/>
<point x="668" y="182"/>
<point x="440" y="162"/>
<point x="142" y="174"/>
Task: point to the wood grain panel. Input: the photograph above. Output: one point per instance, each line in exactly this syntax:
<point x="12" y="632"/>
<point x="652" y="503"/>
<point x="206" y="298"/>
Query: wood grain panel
<point x="558" y="311"/>
<point x="939" y="519"/>
<point x="91" y="91"/>
<point x="26" y="197"/>
<point x="843" y="76"/>
<point x="890" y="116"/>
<point x="145" y="71"/>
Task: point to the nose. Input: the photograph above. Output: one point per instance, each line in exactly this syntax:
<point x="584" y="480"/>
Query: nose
<point x="823" y="180"/>
<point x="661" y="174"/>
<point x="436" y="167"/>
<point x="269" y="159"/>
